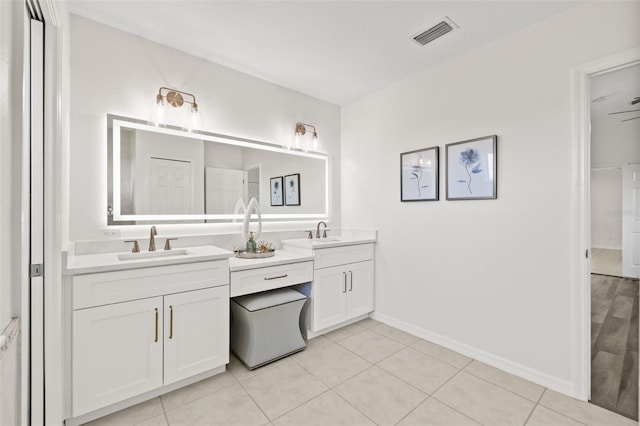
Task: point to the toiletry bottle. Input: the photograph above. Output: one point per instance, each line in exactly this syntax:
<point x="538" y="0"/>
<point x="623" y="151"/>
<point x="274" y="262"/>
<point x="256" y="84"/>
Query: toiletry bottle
<point x="251" y="244"/>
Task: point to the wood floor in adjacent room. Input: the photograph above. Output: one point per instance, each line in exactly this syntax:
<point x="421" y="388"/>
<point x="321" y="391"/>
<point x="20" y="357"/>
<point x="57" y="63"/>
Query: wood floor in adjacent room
<point x="614" y="344"/>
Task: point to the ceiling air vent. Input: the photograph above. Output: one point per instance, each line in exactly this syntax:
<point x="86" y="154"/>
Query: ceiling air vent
<point x="435" y="32"/>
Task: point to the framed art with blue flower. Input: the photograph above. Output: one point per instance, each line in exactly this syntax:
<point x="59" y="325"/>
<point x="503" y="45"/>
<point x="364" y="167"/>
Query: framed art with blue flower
<point x="277" y="198"/>
<point x="471" y="169"/>
<point x="419" y="175"/>
<point x="292" y="190"/>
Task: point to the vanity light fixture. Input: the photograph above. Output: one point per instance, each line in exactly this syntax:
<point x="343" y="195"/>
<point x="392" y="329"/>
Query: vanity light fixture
<point x="301" y="130"/>
<point x="176" y="99"/>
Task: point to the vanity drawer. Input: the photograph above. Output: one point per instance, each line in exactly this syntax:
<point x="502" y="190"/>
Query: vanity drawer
<point x="333" y="256"/>
<point x="269" y="278"/>
<point x="119" y="286"/>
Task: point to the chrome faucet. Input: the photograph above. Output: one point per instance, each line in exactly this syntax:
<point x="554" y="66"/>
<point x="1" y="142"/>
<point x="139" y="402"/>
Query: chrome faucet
<point x="152" y="240"/>
<point x="324" y="234"/>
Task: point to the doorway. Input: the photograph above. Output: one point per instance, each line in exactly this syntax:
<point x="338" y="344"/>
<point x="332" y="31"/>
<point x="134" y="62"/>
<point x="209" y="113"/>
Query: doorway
<point x="612" y="161"/>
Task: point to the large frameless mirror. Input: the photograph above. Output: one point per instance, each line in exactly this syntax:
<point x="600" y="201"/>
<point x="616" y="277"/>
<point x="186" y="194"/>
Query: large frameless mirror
<point x="164" y="174"/>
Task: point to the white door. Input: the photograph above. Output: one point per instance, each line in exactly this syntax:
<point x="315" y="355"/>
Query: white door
<point x="117" y="352"/>
<point x="36" y="292"/>
<point x="223" y="189"/>
<point x="360" y="288"/>
<point x="169" y="186"/>
<point x="329" y="297"/>
<point x="196" y="332"/>
<point x="631" y="221"/>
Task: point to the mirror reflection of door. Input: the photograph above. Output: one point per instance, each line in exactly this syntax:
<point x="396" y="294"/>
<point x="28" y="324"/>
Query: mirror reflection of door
<point x="223" y="189"/>
<point x="169" y="186"/>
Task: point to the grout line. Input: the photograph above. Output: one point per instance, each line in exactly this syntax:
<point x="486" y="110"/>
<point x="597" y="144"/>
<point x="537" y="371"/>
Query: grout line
<point x="391" y="338"/>
<point x="447" y="381"/>
<point x="456" y="410"/>
<point x="164" y="411"/>
<point x="412" y="411"/>
<point x="255" y="402"/>
<point x="354" y="407"/>
<point x="298" y="406"/>
<point x="504" y="388"/>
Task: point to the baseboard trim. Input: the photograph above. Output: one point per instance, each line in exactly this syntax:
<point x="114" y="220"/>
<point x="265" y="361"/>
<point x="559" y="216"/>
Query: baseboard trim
<point x="524" y="372"/>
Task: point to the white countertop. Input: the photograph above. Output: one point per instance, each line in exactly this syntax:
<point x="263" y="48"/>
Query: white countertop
<point x="321" y="243"/>
<point x="281" y="257"/>
<point x="106" y="262"/>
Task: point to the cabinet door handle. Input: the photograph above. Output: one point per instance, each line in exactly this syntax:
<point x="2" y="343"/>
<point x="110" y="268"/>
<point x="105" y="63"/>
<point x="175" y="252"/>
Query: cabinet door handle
<point x="344" y="281"/>
<point x="170" y="322"/>
<point x="350" y="280"/>
<point x="156" y="339"/>
<point x="275" y="278"/>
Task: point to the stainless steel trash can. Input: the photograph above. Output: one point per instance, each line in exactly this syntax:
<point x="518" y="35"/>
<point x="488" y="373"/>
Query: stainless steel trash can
<point x="265" y="326"/>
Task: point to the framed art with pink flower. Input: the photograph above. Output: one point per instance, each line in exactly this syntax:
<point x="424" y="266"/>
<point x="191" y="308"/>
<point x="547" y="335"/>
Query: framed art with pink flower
<point x="471" y="169"/>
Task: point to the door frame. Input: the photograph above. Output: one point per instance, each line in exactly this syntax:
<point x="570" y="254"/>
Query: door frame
<point x="581" y="247"/>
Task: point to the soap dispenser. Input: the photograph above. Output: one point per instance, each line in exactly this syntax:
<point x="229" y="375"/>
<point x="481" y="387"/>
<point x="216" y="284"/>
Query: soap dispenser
<point x="251" y="244"/>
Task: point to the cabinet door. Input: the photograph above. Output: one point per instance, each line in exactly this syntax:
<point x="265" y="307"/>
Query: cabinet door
<point x="329" y="297"/>
<point x="117" y="352"/>
<point x="196" y="332"/>
<point x="359" y="288"/>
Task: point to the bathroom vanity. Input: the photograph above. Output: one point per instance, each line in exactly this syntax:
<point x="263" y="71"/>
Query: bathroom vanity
<point x="139" y="325"/>
<point x="143" y="326"/>
<point x="343" y="280"/>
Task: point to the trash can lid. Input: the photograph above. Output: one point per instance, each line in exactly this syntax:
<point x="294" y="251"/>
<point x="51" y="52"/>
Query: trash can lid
<point x="268" y="299"/>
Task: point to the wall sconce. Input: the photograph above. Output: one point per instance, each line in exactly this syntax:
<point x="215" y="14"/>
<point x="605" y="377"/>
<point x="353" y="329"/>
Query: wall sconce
<point x="177" y="99"/>
<point x="301" y="130"/>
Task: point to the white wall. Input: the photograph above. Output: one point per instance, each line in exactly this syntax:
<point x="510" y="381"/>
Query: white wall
<point x="491" y="278"/>
<point x="606" y="208"/>
<point x="116" y="72"/>
<point x="12" y="53"/>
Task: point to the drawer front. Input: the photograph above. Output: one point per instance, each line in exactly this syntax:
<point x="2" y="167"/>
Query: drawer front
<point x="261" y="279"/>
<point x="333" y="256"/>
<point x="118" y="286"/>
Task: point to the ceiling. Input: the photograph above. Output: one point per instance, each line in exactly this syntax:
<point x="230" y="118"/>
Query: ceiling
<point x="336" y="51"/>
<point x="613" y="92"/>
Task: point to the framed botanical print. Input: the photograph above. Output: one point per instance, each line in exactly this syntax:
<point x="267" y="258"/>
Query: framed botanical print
<point x="471" y="169"/>
<point x="277" y="198"/>
<point x="419" y="175"/>
<point x="292" y="190"/>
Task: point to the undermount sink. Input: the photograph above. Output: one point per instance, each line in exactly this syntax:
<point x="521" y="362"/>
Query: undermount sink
<point x="314" y="242"/>
<point x="323" y="240"/>
<point x="153" y="254"/>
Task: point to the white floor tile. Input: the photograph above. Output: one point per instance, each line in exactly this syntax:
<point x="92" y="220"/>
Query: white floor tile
<point x="380" y="396"/>
<point x="484" y="402"/>
<point x="326" y="409"/>
<point x="505" y="380"/>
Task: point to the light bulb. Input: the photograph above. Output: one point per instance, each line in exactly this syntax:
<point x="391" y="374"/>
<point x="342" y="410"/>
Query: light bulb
<point x="194" y="119"/>
<point x="159" y="111"/>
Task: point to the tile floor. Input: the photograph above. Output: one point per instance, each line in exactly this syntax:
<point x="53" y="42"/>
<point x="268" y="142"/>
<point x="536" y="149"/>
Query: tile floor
<point x="365" y="374"/>
<point x="606" y="262"/>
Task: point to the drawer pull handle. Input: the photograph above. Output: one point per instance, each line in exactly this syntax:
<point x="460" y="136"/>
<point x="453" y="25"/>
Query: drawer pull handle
<point x="170" y="322"/>
<point x="350" y="281"/>
<point x="275" y="278"/>
<point x="156" y="339"/>
<point x="344" y="281"/>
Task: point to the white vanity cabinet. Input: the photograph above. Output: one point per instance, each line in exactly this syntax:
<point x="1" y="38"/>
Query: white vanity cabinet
<point x="135" y="331"/>
<point x="196" y="332"/>
<point x="342" y="285"/>
<point x="116" y="353"/>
